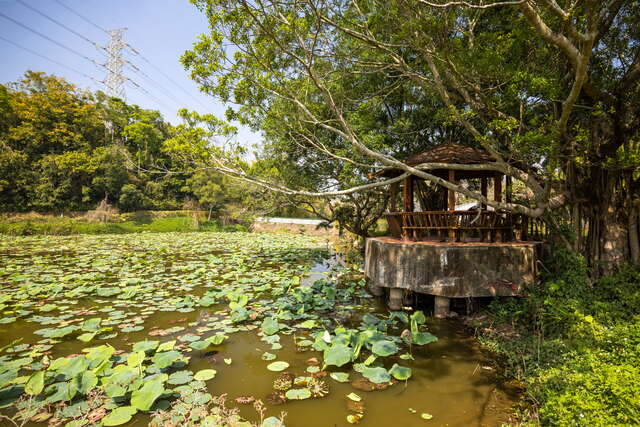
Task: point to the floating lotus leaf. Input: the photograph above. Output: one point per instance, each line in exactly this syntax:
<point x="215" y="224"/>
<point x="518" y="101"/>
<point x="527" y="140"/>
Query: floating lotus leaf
<point x="384" y="348"/>
<point x="400" y="372"/>
<point x="337" y="355"/>
<point x="376" y="375"/>
<point x="119" y="416"/>
<point x="146" y="346"/>
<point x="268" y="356"/>
<point x="205" y="374"/>
<point x="166" y="358"/>
<point x="341" y="377"/>
<point x="270" y="326"/>
<point x="354" y="397"/>
<point x="180" y="377"/>
<point x="298" y="394"/>
<point x="277" y="366"/>
<point x="166" y="346"/>
<point x="422" y="338"/>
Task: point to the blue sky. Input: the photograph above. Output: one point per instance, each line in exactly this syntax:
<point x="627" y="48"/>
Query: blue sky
<point x="161" y="30"/>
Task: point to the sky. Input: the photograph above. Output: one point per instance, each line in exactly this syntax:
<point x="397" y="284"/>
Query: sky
<point x="160" y="30"/>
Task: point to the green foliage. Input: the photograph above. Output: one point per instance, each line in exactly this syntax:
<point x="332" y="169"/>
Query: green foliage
<point x="67" y="226"/>
<point x="576" y="344"/>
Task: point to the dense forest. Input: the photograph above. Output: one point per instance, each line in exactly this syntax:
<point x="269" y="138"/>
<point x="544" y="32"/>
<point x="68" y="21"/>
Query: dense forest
<point x="64" y="149"/>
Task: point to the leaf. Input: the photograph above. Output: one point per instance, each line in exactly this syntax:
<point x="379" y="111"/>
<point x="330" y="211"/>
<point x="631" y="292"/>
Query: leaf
<point x="298" y="394"/>
<point x="91" y="325"/>
<point x="216" y="339"/>
<point x="205" y="374"/>
<point x="166" y="346"/>
<point x="144" y="397"/>
<point x="354" y="418"/>
<point x="376" y="375"/>
<point x="86" y="382"/>
<point x="135" y="359"/>
<point x="166" y="359"/>
<point x="119" y="416"/>
<point x="277" y="366"/>
<point x="272" y="422"/>
<point x="180" y="377"/>
<point x="228" y="361"/>
<point x="337" y="355"/>
<point x="418" y="317"/>
<point x="422" y="338"/>
<point x="341" y="377"/>
<point x="87" y="336"/>
<point x="307" y="324"/>
<point x="200" y="345"/>
<point x="35" y="384"/>
<point x="270" y="326"/>
<point x="268" y="356"/>
<point x="400" y="372"/>
<point x="384" y="348"/>
<point x="146" y="346"/>
<point x="354" y="397"/>
<point x="426" y="416"/>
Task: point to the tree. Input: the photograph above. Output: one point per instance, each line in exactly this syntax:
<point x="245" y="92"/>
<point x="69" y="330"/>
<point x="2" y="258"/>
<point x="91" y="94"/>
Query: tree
<point x="547" y="84"/>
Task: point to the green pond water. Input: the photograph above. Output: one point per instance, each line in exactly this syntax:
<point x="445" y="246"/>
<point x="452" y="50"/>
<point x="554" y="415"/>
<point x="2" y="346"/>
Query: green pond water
<point x="269" y="297"/>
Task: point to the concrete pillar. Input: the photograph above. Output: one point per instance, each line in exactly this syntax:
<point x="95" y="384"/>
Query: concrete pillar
<point x="441" y="307"/>
<point x="376" y="291"/>
<point x="395" y="299"/>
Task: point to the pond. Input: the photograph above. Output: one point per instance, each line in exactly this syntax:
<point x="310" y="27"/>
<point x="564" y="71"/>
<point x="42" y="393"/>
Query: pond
<point x="155" y="328"/>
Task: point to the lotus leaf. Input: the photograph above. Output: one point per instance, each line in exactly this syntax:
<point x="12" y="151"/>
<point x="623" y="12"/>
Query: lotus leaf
<point x="277" y="366"/>
<point x="119" y="416"/>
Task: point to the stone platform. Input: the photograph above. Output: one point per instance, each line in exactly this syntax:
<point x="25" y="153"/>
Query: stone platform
<point x="449" y="269"/>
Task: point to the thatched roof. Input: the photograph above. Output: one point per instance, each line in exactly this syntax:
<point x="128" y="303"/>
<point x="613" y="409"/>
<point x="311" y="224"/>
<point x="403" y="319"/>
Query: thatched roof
<point x="451" y="153"/>
<point x="447" y="153"/>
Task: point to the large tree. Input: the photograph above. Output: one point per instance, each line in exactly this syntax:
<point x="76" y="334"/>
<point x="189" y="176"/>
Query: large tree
<point x="549" y="84"/>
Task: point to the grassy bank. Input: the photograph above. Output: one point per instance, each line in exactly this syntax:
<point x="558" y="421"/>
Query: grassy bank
<point x="60" y="226"/>
<point x="573" y="343"/>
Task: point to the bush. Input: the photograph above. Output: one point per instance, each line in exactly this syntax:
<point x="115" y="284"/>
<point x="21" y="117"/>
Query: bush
<point x="574" y="343"/>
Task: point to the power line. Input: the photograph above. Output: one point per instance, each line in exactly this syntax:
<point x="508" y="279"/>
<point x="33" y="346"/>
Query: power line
<point x="55" y="21"/>
<point x="75" y="52"/>
<point x="158" y="69"/>
<point x="81" y="16"/>
<point x="139" y="87"/>
<point x="162" y="89"/>
<point x="33" y="52"/>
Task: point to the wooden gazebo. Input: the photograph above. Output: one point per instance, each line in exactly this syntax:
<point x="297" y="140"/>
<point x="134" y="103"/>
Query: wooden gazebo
<point x="444" y="222"/>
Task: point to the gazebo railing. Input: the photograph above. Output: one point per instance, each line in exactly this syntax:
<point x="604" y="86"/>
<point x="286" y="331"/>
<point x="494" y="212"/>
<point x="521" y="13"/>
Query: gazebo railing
<point x="455" y="225"/>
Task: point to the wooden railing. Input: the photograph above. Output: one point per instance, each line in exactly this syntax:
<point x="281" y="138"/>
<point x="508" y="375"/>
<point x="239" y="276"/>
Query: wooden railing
<point x="462" y="226"/>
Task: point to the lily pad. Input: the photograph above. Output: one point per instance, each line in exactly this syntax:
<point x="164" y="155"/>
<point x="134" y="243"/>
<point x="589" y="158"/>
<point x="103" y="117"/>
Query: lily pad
<point x="298" y="394"/>
<point x="341" y="377"/>
<point x="205" y="374"/>
<point x="119" y="416"/>
<point x="277" y="366"/>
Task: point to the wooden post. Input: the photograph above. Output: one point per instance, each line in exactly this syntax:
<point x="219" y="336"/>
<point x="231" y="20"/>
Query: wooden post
<point x="483" y="191"/>
<point x="497" y="187"/>
<point x="393" y="193"/>
<point x="408" y="194"/>
<point x="452" y="194"/>
<point x="452" y="204"/>
<point x="509" y="183"/>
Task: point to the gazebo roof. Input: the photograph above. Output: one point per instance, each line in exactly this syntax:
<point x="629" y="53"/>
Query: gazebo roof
<point x="451" y="153"/>
<point x="447" y="153"/>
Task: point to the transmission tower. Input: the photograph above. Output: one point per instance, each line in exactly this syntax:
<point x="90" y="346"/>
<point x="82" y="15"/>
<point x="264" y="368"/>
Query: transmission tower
<point x="115" y="79"/>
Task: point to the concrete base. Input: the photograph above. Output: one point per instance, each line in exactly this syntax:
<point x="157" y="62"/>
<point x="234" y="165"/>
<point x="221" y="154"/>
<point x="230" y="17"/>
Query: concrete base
<point x="395" y="299"/>
<point x="449" y="269"/>
<point x="441" y="307"/>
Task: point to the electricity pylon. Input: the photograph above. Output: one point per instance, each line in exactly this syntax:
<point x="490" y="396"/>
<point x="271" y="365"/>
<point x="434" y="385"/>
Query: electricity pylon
<point x="115" y="78"/>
